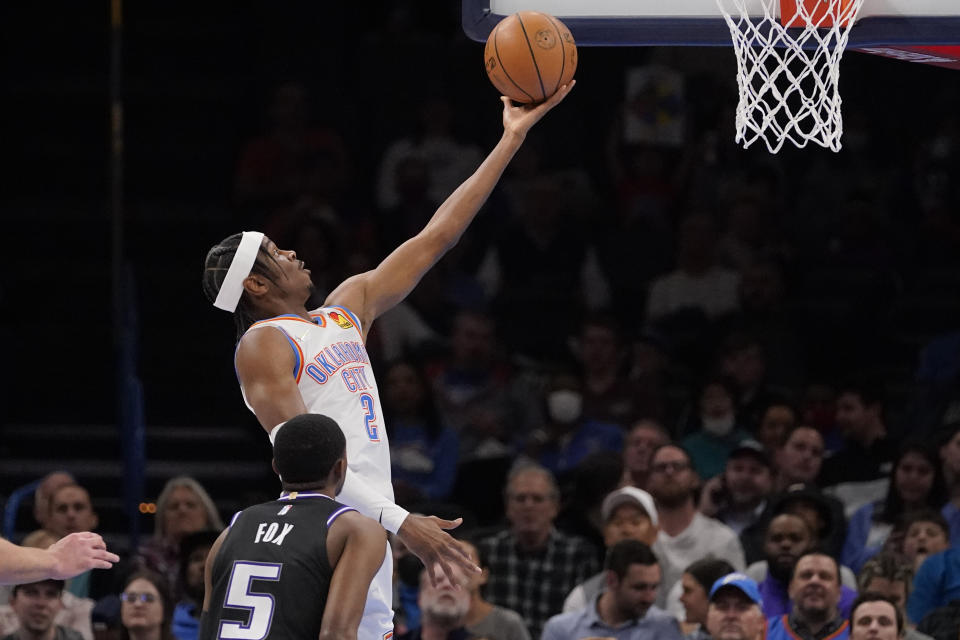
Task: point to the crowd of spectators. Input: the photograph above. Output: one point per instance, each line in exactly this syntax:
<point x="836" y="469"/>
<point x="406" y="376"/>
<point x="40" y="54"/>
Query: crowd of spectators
<point x="631" y="381"/>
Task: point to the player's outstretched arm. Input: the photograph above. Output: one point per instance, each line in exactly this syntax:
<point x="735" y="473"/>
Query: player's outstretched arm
<point x="265" y="365"/>
<point x="356" y="546"/>
<point x="374" y="292"/>
<point x="68" y="557"/>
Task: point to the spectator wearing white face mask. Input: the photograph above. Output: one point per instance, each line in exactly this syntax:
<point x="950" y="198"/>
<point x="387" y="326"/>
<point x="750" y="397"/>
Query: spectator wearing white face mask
<point x="717" y="432"/>
<point x="567" y="437"/>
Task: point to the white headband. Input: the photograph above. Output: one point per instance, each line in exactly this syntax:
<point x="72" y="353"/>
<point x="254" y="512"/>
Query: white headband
<point x="243" y="259"/>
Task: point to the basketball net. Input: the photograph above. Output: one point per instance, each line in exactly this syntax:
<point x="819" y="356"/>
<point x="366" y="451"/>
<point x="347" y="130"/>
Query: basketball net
<point x="788" y="69"/>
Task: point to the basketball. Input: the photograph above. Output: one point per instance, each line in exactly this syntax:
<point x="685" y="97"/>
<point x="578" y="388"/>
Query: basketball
<point x="530" y="55"/>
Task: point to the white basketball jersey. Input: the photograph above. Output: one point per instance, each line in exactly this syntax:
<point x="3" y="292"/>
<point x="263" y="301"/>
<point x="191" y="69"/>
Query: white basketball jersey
<point x="336" y="379"/>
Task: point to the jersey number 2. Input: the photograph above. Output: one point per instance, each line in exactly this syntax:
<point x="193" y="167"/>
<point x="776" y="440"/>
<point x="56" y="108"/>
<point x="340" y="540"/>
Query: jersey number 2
<point x="260" y="605"/>
<point x="369" y="415"/>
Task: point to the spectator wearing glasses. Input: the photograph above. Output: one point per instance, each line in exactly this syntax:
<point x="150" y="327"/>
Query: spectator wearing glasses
<point x="146" y="608"/>
<point x="686" y="535"/>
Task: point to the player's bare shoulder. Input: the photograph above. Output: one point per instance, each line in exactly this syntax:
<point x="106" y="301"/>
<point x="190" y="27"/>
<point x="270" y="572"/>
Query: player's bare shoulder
<point x="261" y="347"/>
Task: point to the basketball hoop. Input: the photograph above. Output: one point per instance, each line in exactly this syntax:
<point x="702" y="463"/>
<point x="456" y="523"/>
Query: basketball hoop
<point x="788" y="69"/>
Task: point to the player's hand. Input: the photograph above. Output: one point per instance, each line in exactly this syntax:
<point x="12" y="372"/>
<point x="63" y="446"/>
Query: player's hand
<point x="80" y="552"/>
<point x="519" y="119"/>
<point x="425" y="537"/>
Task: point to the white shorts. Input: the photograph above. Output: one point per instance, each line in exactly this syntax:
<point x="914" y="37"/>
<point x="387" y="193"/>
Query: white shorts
<point x="377" y="621"/>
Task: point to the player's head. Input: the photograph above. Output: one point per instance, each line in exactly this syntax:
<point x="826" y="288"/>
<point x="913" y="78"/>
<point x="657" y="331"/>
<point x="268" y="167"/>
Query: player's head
<point x="310" y="452"/>
<point x="247" y="274"/>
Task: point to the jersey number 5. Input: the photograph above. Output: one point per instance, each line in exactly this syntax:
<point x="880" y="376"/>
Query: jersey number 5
<point x="260" y="605"/>
<point x="369" y="415"/>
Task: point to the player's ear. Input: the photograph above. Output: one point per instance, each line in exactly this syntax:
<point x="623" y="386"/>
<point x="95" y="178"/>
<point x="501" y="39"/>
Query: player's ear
<point x="256" y="285"/>
<point x="273" y="463"/>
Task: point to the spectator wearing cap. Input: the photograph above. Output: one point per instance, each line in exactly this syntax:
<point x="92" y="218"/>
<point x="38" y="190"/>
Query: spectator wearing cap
<point x="627" y="514"/>
<point x="697" y="582"/>
<point x="686" y="535"/>
<point x="788" y="538"/>
<point x="625" y="610"/>
<point x="815" y="596"/>
<point x="36" y="606"/>
<point x="738" y="496"/>
<point x="823" y="514"/>
<point x="735" y="609"/>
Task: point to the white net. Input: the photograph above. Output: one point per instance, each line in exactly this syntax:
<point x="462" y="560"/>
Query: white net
<point x="788" y="77"/>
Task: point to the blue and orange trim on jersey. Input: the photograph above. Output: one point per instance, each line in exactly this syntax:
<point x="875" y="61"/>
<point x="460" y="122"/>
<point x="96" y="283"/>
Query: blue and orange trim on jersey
<point x="297" y="351"/>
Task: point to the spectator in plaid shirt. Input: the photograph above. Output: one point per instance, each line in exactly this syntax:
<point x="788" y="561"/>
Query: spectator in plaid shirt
<point x="532" y="565"/>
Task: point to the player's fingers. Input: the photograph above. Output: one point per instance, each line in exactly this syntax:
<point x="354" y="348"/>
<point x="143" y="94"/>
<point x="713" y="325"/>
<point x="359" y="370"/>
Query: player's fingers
<point x="106" y="556"/>
<point x="559" y="95"/>
<point x="449" y="524"/>
<point x="101" y="564"/>
<point x="448" y="571"/>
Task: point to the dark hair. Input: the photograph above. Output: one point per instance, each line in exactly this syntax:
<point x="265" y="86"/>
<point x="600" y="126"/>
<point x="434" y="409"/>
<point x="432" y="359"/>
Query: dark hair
<point x="888" y="566"/>
<point x="893" y="507"/>
<point x="603" y="320"/>
<point x="726" y="383"/>
<point x="215" y="268"/>
<point x="709" y="570"/>
<point x="625" y="553"/>
<point x="872" y="596"/>
<point x="868" y="390"/>
<point x="190" y="543"/>
<point x="59" y="584"/>
<point x="427" y="411"/>
<point x="945" y="433"/>
<point x="307" y="447"/>
<point x="815" y="551"/>
<point x="924" y="515"/>
<point x="160" y="584"/>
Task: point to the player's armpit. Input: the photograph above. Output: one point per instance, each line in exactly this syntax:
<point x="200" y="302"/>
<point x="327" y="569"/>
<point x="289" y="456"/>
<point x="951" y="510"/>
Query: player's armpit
<point x="362" y="545"/>
<point x="265" y="364"/>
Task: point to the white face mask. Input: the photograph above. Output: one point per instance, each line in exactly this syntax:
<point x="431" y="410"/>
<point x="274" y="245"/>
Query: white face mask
<point x="718" y="426"/>
<point x="564" y="406"/>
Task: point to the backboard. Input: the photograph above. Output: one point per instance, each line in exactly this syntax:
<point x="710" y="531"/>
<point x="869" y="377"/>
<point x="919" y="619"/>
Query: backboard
<point x="699" y="22"/>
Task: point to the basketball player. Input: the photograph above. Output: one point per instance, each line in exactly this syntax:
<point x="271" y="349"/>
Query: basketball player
<point x="290" y="360"/>
<point x="299" y="567"/>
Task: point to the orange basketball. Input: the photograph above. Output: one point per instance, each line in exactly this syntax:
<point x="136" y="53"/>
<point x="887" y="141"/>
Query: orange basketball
<point x="530" y="55"/>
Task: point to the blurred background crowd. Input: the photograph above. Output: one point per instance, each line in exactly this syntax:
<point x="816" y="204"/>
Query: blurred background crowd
<point x="635" y="280"/>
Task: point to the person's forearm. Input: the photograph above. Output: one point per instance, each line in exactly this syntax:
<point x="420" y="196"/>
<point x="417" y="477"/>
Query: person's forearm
<point x="358" y="494"/>
<point x="459" y="209"/>
<point x="20" y="565"/>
